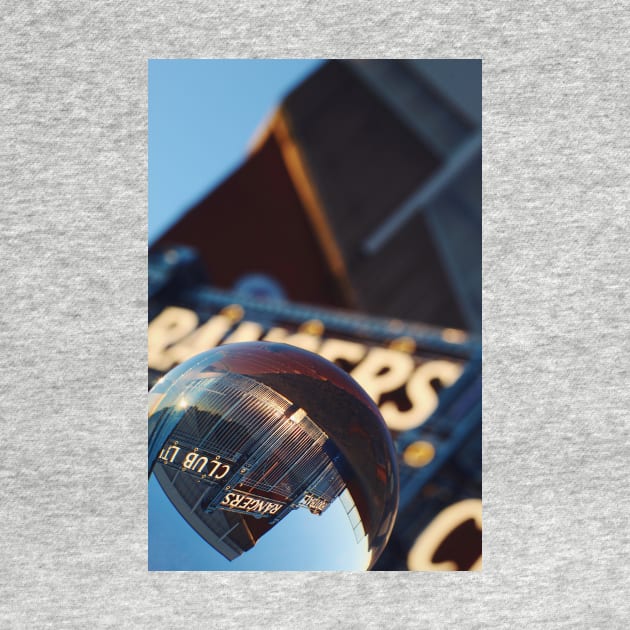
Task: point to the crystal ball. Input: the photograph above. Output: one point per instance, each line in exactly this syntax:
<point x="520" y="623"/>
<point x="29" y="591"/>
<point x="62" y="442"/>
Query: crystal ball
<point x="263" y="456"/>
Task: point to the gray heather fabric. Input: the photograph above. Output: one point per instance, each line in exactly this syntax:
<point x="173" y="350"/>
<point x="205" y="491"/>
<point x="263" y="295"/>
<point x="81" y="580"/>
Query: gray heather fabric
<point x="74" y="183"/>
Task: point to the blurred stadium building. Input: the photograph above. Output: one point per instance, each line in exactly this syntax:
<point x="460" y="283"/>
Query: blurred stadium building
<point x="363" y="191"/>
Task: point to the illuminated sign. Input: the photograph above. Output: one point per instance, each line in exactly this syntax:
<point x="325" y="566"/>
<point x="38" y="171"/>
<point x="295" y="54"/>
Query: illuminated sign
<point x="208" y="466"/>
<point x="431" y="552"/>
<point x="401" y="384"/>
<point x="402" y="367"/>
<point x="315" y="504"/>
<point x="249" y="503"/>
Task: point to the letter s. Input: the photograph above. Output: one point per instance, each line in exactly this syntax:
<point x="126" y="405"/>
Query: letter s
<point x="423" y="397"/>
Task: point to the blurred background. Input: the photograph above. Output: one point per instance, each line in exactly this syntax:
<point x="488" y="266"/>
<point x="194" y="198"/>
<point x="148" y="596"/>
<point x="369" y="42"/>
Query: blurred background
<point x="335" y="205"/>
<point x="203" y="116"/>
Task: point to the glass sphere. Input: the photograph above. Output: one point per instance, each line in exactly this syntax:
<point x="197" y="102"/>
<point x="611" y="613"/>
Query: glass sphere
<point x="263" y="456"/>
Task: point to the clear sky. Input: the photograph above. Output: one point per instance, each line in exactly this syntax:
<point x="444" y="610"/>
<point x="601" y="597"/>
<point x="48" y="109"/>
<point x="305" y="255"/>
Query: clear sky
<point x="202" y="116"/>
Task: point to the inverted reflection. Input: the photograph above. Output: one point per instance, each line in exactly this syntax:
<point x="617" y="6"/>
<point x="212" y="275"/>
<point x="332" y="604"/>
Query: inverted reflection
<point x="266" y="481"/>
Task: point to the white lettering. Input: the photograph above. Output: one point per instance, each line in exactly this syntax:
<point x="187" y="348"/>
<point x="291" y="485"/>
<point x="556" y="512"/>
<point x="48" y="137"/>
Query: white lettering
<point x="314" y="503"/>
<point x="334" y="349"/>
<point x="164" y="454"/>
<point x="225" y="472"/>
<point x="383" y="371"/>
<point x="201" y="464"/>
<point x="216" y="463"/>
<point x="190" y="460"/>
<point x="171" y="325"/>
<point x="423" y="397"/>
<point x="205" y="337"/>
<point x="246" y="503"/>
<point x="173" y="338"/>
<point x="421" y="554"/>
<point x="227" y="498"/>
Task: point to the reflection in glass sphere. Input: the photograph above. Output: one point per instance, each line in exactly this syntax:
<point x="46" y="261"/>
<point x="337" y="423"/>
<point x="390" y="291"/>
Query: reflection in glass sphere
<point x="274" y="457"/>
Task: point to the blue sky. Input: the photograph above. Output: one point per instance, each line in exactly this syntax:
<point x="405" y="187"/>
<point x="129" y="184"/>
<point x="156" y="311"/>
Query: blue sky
<point x="202" y="116"/>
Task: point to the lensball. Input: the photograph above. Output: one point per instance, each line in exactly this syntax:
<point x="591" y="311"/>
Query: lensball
<point x="263" y="456"/>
